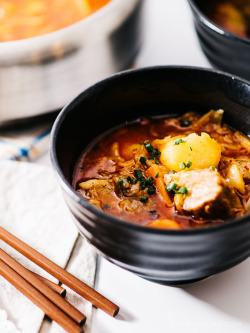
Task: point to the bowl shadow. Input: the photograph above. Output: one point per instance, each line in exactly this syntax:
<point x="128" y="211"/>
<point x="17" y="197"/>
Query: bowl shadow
<point x="226" y="291"/>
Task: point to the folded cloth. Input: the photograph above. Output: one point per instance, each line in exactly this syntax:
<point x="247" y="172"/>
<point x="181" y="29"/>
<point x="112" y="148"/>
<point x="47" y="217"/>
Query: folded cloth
<point x="24" y="145"/>
<point x="33" y="209"/>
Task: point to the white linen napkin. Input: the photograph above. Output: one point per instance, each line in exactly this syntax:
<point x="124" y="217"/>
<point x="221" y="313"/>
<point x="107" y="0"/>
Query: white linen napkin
<point x="33" y="209"/>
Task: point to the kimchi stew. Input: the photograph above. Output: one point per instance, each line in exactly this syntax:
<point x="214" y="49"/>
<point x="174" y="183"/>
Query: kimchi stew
<point x="21" y="19"/>
<point x="173" y="173"/>
<point x="231" y="15"/>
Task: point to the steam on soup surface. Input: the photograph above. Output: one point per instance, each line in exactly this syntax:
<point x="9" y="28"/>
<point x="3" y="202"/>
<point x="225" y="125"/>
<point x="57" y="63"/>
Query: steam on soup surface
<point x="172" y="173"/>
<point x="21" y="19"/>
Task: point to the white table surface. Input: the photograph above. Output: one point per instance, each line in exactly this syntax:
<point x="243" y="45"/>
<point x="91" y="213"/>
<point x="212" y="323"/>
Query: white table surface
<point x="218" y="304"/>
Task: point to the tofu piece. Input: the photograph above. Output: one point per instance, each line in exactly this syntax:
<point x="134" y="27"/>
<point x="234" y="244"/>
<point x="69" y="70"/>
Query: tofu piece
<point x="208" y="196"/>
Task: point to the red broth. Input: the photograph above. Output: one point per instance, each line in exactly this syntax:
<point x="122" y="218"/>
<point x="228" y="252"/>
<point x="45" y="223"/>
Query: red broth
<point x="107" y="171"/>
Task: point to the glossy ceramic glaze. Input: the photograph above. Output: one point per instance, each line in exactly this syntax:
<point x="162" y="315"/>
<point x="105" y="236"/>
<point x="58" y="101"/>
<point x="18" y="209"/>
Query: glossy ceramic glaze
<point x="166" y="256"/>
<point x="42" y="74"/>
<point x="226" y="51"/>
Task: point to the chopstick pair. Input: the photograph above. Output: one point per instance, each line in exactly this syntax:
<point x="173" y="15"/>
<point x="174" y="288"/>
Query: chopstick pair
<point x="32" y="287"/>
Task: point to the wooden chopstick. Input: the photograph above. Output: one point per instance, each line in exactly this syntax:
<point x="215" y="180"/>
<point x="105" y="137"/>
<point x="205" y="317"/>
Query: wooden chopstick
<point x="58" y="289"/>
<point x="65" y="306"/>
<point x="59" y="273"/>
<point x="48" y="307"/>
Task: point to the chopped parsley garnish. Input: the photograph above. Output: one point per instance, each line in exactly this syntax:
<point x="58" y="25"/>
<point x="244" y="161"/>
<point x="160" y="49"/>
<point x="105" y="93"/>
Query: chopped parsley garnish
<point x="144" y="198"/>
<point x="157" y="175"/>
<point x="142" y="160"/>
<point x="191" y="148"/>
<point x="185" y="123"/>
<point x="214" y="167"/>
<point x="178" y="141"/>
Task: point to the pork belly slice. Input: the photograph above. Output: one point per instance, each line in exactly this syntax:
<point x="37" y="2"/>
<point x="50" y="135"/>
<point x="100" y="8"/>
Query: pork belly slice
<point x="208" y="196"/>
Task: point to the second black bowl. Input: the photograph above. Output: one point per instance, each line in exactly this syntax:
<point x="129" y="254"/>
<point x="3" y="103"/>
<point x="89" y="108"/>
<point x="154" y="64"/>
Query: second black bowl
<point x="170" y="256"/>
<point x="225" y="50"/>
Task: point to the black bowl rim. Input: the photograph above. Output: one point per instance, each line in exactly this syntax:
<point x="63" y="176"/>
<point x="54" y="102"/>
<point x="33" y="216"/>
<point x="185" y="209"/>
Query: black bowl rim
<point x="102" y="215"/>
<point x="216" y="28"/>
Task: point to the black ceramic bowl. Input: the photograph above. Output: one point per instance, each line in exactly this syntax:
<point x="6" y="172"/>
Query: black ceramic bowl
<point x="169" y="256"/>
<point x="225" y="51"/>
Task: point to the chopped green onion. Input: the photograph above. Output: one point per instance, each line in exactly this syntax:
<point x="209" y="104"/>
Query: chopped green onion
<point x="150" y="181"/>
<point x="157" y="175"/>
<point x="133" y="181"/>
<point x="151" y="190"/>
<point x="171" y="186"/>
<point x="129" y="179"/>
<point x="156" y="152"/>
<point x="182" y="190"/>
<point x="182" y="165"/>
<point x="151" y="157"/>
<point x="178" y="141"/>
<point x="167" y="188"/>
<point x="143" y="186"/>
<point x="214" y="167"/>
<point x="142" y="179"/>
<point x="185" y="123"/>
<point x="172" y="172"/>
<point x="153" y="213"/>
<point x="144" y="198"/>
<point x="149" y="147"/>
<point x="120" y="181"/>
<point x="142" y="159"/>
<point x="191" y="148"/>
<point x="138" y="173"/>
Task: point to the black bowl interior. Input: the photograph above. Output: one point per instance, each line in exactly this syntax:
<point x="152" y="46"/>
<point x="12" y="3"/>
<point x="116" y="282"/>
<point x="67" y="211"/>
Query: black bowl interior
<point x="125" y="97"/>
